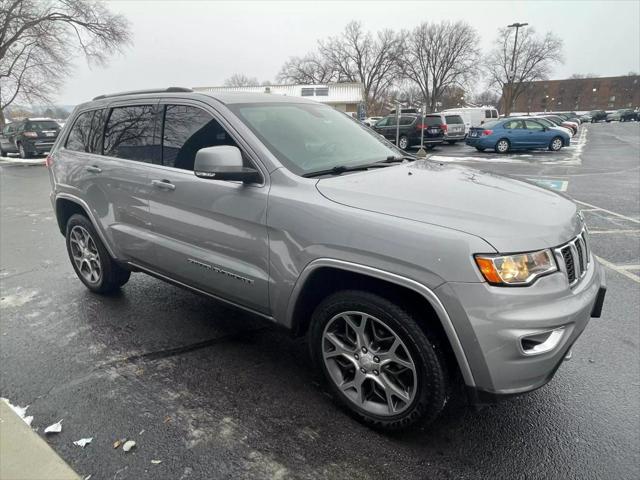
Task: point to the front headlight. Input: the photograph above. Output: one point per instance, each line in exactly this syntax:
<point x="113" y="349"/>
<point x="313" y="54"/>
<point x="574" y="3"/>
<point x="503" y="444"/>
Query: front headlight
<point x="516" y="269"/>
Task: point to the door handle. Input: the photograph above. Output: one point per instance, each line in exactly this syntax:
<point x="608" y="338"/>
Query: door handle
<point x="163" y="184"/>
<point x="93" y="169"/>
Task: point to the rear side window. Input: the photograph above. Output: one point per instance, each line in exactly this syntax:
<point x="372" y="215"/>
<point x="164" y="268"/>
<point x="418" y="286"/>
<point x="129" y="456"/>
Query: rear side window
<point x="78" y="139"/>
<point x="407" y="120"/>
<point x="186" y="130"/>
<point x="129" y="134"/>
<point x="510" y="125"/>
<point x="452" y="119"/>
<point x="432" y="120"/>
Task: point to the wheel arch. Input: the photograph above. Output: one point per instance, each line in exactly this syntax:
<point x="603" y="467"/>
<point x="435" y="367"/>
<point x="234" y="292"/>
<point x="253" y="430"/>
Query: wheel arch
<point x="325" y="276"/>
<point x="67" y="205"/>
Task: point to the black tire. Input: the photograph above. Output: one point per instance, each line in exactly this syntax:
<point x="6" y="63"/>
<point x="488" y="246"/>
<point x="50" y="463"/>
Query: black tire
<point x="23" y="152"/>
<point x="2" y="152"/>
<point x="499" y="143"/>
<point x="451" y="142"/>
<point x="113" y="275"/>
<point x="480" y="149"/>
<point x="432" y="385"/>
<point x="430" y="147"/>
<point x="403" y="140"/>
<point x="553" y="144"/>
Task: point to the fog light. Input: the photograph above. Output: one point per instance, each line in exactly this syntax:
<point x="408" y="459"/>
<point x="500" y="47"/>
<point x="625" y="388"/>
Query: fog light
<point x="543" y="342"/>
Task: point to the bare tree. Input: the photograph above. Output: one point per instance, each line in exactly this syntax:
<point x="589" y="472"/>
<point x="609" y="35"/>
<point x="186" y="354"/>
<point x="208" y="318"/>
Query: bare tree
<point x="533" y="60"/>
<point x="311" y="69"/>
<point x="241" y="80"/>
<point x="36" y="37"/>
<point x="487" y="97"/>
<point x="440" y="57"/>
<point x="358" y="56"/>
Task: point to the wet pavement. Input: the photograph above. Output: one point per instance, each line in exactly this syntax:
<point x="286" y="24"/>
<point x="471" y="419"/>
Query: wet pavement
<point x="215" y="393"/>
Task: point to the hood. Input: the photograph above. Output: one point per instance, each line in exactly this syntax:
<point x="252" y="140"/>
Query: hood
<point x="513" y="216"/>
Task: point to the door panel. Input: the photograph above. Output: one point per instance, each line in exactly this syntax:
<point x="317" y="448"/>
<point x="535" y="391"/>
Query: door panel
<point x="119" y="188"/>
<point x="537" y="137"/>
<point x="209" y="234"/>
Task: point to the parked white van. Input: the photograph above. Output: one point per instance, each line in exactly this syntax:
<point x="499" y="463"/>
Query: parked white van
<point x="473" y="116"/>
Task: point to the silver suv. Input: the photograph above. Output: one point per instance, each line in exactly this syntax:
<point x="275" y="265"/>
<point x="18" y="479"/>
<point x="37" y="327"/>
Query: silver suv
<point x="406" y="275"/>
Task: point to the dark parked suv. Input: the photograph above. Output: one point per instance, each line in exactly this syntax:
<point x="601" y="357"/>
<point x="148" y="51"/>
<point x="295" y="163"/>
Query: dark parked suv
<point x="598" y="115"/>
<point x="29" y="137"/>
<point x="410" y="130"/>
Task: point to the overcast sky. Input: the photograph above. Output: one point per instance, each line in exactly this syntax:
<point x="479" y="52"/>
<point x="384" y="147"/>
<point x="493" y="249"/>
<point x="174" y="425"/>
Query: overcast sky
<point x="201" y="43"/>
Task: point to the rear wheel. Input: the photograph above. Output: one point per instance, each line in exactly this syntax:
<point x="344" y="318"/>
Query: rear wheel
<point x="502" y="146"/>
<point x="556" y="144"/>
<point x="2" y="152"/>
<point x="430" y="146"/>
<point x="451" y="142"/>
<point x="377" y="361"/>
<point x="90" y="259"/>
<point x="480" y="149"/>
<point x="403" y="142"/>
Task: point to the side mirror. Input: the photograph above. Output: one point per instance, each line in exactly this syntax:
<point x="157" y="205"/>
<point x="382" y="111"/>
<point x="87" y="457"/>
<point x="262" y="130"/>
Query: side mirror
<point x="224" y="163"/>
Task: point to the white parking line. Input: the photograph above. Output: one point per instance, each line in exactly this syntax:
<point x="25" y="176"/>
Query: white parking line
<point x="629" y="267"/>
<point x="611" y="231"/>
<point x="620" y="270"/>
<point x="631" y="219"/>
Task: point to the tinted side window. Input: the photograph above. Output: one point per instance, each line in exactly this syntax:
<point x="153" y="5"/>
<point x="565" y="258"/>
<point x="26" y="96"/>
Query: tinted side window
<point x="130" y="134"/>
<point x="383" y="122"/>
<point x="186" y="130"/>
<point x="407" y="120"/>
<point x="78" y="139"/>
<point x="494" y="114"/>
<point x="97" y="129"/>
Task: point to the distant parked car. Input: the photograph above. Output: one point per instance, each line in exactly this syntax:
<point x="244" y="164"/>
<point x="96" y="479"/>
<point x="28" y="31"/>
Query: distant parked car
<point x="371" y="121"/>
<point x="623" y="115"/>
<point x="452" y="125"/>
<point x="29" y="137"/>
<point x="410" y="129"/>
<point x="516" y="134"/>
<point x="585" y="118"/>
<point x="473" y="116"/>
<point x="573" y="126"/>
<point x="598" y="115"/>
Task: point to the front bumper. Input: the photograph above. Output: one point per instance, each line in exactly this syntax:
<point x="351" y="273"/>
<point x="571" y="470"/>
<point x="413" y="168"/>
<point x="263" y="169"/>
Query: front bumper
<point x="491" y="323"/>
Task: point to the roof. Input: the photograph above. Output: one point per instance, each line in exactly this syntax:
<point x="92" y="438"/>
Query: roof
<point x="323" y="93"/>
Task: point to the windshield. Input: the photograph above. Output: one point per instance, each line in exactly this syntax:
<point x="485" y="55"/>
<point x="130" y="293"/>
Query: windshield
<point x="309" y="138"/>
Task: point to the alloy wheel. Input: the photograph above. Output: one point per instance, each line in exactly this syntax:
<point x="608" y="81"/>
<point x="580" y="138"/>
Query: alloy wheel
<point x="369" y="363"/>
<point x="85" y="254"/>
<point x="556" y="144"/>
<point x="403" y="143"/>
<point x="503" y="146"/>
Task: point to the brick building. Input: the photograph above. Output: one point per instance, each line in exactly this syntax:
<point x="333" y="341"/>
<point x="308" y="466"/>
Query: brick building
<point x="580" y="94"/>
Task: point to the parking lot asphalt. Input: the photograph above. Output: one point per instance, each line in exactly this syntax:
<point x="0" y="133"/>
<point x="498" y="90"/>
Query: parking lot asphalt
<point x="212" y="392"/>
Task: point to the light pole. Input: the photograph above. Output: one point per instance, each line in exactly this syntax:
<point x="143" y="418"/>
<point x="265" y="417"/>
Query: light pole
<point x="513" y="60"/>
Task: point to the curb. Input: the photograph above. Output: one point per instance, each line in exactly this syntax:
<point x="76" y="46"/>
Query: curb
<point x="24" y="454"/>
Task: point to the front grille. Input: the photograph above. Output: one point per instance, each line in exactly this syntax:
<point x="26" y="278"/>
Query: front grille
<point x="573" y="258"/>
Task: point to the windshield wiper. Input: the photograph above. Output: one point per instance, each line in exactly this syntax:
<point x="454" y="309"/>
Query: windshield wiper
<point x="338" y="169"/>
<point x="402" y="158"/>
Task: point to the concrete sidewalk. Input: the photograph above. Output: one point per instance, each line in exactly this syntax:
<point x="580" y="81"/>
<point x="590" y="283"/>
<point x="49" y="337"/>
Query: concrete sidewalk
<point x="26" y="456"/>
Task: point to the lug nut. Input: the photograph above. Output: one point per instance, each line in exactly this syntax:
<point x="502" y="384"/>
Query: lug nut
<point x="376" y="359"/>
<point x="375" y="372"/>
<point x="364" y="349"/>
<point x="356" y="356"/>
<point x="363" y="370"/>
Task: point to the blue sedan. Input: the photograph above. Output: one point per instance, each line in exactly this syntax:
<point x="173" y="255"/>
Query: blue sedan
<point x="516" y="134"/>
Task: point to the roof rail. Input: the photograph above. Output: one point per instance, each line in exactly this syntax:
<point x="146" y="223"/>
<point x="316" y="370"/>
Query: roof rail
<point x="153" y="90"/>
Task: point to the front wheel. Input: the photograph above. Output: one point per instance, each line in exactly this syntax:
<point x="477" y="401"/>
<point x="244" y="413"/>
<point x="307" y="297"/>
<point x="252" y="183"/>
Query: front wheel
<point x="90" y="259"/>
<point x="403" y="143"/>
<point x="22" y="151"/>
<point x="556" y="144"/>
<point x="377" y="361"/>
<point x="502" y="146"/>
